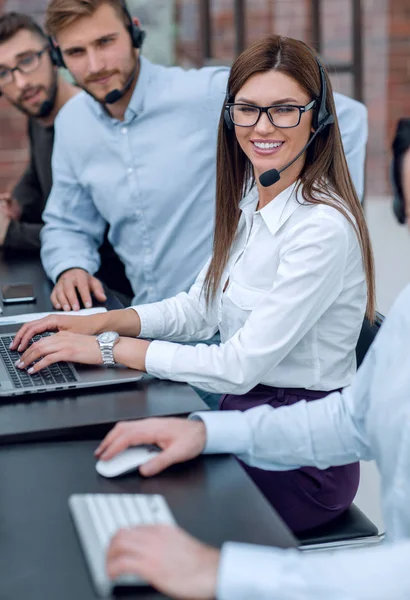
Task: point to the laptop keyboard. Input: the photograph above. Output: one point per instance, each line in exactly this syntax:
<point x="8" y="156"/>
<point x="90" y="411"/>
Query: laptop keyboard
<point x="54" y="374"/>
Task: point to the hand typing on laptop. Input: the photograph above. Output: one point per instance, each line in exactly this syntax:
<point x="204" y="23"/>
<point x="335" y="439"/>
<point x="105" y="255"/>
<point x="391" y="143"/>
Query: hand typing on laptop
<point x="76" y="341"/>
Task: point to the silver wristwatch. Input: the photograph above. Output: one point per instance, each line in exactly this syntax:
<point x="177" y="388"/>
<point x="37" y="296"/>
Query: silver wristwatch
<point x="107" y="341"/>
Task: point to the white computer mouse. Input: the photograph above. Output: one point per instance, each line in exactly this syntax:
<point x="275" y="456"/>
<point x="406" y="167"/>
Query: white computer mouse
<point x="126" y="461"/>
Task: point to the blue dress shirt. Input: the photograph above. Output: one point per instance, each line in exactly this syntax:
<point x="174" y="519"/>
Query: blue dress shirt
<point x="151" y="177"/>
<point x="369" y="421"/>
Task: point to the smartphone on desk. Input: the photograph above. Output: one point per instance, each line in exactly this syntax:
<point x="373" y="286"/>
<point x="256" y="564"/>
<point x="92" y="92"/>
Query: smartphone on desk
<point x="13" y="293"/>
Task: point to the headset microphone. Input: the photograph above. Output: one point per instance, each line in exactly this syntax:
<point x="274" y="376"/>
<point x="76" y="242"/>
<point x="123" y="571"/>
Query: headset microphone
<point x="273" y="175"/>
<point x="115" y="95"/>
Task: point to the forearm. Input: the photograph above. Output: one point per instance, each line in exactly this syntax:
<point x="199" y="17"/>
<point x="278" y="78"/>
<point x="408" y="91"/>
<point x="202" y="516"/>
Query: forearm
<point x="268" y="573"/>
<point x="320" y="434"/>
<point x="126" y="322"/>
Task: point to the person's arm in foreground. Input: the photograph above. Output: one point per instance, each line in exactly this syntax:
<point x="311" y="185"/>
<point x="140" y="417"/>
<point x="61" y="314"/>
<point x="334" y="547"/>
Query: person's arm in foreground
<point x="330" y="431"/>
<point x="352" y="116"/>
<point x="72" y="233"/>
<point x="182" y="567"/>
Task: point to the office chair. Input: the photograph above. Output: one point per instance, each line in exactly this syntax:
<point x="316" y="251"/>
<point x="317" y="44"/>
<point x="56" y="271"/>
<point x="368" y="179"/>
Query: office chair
<point x="352" y="528"/>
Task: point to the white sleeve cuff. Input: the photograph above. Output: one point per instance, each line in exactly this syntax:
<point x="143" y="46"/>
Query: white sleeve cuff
<point x="151" y="320"/>
<point x="247" y="571"/>
<point x="159" y="359"/>
<point x="226" y="432"/>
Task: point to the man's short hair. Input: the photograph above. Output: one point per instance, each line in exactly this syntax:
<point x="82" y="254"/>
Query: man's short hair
<point x="62" y="13"/>
<point x="13" y="22"/>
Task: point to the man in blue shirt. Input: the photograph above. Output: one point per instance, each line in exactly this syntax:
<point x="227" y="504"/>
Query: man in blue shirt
<point x="368" y="421"/>
<point x="144" y="164"/>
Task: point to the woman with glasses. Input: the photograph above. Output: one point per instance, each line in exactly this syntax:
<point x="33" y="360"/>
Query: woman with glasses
<point x="288" y="284"/>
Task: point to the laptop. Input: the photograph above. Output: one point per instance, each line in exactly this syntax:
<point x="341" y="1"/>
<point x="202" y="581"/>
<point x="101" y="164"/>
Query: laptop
<point x="60" y="376"/>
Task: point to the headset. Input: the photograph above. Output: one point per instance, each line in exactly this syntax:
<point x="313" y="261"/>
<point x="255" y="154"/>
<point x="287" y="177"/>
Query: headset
<point x="137" y="37"/>
<point x="321" y="116"/>
<point x="320" y="120"/>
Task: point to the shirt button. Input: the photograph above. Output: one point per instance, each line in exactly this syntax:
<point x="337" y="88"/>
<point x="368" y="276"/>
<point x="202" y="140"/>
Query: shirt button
<point x="150" y="290"/>
<point x="124" y="130"/>
<point x="147" y="251"/>
<point x="130" y="171"/>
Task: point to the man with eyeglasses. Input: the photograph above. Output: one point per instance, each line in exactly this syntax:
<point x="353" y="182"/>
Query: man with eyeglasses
<point x="144" y="164"/>
<point x="30" y="82"/>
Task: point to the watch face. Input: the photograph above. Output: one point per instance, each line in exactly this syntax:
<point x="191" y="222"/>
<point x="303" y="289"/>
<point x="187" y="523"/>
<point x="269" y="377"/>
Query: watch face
<point x="107" y="337"/>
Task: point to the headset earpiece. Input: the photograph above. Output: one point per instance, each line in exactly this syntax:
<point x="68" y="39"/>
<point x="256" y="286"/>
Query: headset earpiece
<point x="55" y="54"/>
<point x="227" y="115"/>
<point x="321" y="117"/>
<point x="137" y="35"/>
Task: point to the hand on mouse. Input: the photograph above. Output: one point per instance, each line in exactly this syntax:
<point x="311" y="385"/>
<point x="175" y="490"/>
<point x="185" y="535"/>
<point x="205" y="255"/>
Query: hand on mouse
<point x="179" y="440"/>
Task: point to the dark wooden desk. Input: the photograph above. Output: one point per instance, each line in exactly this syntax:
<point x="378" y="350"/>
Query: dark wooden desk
<point x="22" y="268"/>
<point x="85" y="412"/>
<point x="41" y="559"/>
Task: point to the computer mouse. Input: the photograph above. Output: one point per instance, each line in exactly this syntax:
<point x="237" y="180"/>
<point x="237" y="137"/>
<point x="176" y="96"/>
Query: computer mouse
<point x="126" y="461"/>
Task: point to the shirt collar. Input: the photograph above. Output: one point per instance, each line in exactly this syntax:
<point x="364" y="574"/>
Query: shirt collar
<point x="278" y="211"/>
<point x="136" y="104"/>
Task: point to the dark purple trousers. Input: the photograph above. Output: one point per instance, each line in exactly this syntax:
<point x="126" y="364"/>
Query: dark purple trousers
<point x="306" y="497"/>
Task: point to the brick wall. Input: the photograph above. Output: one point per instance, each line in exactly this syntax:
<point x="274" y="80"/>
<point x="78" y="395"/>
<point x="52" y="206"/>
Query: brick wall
<point x="386" y="42"/>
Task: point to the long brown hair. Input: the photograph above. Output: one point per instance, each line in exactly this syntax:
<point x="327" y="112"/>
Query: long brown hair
<point x="325" y="175"/>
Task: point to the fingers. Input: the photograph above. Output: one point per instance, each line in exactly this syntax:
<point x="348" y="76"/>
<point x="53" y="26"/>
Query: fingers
<point x="59" y="297"/>
<point x="70" y="292"/>
<point x="54" y="300"/>
<point x="84" y="286"/>
<point x="65" y="291"/>
<point x="29" y="330"/>
<point x="36" y="351"/>
<point x="50" y="359"/>
<point x="124" y="435"/>
<point x="97" y="289"/>
<point x="168" y="457"/>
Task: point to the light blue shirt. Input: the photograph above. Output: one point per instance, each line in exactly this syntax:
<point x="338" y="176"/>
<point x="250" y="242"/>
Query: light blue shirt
<point x="151" y="177"/>
<point x="369" y="421"/>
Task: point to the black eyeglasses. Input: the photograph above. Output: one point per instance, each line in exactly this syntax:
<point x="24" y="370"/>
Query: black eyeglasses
<point x="27" y="64"/>
<point x="280" y="115"/>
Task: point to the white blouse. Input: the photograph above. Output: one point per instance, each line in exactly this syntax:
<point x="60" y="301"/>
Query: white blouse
<point x="290" y="315"/>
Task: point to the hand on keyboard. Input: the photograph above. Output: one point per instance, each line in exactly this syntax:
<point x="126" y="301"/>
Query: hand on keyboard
<point x="63" y="346"/>
<point x="89" y="325"/>
<point x="180" y="440"/>
<point x="166" y="557"/>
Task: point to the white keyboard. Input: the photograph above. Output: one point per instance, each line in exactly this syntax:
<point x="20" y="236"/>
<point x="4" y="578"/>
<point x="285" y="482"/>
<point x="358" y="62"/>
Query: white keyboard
<point x="98" y="517"/>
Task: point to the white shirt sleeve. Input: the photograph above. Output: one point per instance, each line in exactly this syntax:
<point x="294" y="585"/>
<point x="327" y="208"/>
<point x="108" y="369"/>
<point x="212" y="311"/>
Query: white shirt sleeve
<point x="352" y="117"/>
<point x="327" y="432"/>
<point x="308" y="280"/>
<point x="183" y="318"/>
<point x="264" y="573"/>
